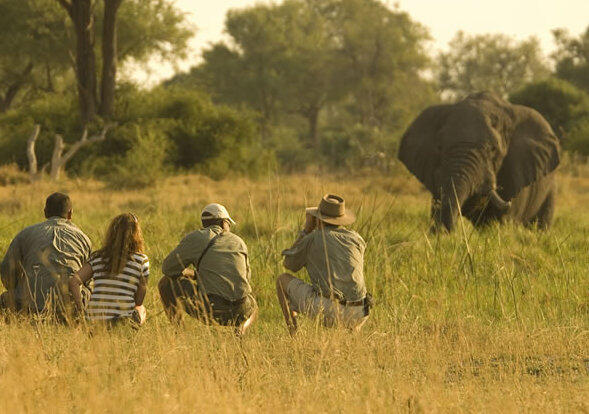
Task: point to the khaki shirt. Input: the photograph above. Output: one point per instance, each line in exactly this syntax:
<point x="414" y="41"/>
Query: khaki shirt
<point x="334" y="259"/>
<point x="224" y="269"/>
<point x="48" y="253"/>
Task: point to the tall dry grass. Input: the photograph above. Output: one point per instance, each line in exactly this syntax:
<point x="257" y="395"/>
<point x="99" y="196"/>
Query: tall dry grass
<point x="492" y="320"/>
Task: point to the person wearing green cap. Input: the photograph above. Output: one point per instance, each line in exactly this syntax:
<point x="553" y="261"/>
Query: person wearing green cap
<point x="217" y="289"/>
<point x="334" y="258"/>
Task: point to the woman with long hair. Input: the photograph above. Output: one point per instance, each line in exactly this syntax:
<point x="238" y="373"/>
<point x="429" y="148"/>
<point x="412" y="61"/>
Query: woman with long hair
<point x="119" y="270"/>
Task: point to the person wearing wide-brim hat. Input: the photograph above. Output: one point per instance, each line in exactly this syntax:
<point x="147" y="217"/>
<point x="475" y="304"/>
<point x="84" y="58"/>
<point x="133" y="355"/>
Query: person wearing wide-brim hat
<point x="334" y="258"/>
<point x="217" y="289"/>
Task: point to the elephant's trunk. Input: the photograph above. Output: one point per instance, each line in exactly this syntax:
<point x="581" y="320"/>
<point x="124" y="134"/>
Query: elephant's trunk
<point x="468" y="173"/>
<point x="454" y="195"/>
<point x="462" y="175"/>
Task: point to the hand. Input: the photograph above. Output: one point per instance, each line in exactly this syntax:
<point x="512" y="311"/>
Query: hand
<point x="189" y="273"/>
<point x="139" y="314"/>
<point x="310" y="223"/>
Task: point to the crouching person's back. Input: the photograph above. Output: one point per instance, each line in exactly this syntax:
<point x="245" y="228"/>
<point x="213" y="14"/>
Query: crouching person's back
<point x="217" y="289"/>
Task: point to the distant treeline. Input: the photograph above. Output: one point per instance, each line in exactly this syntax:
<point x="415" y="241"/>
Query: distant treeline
<point x="323" y="83"/>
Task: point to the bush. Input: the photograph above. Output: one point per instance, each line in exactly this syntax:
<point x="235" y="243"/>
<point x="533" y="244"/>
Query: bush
<point x="11" y="174"/>
<point x="212" y="139"/>
<point x="143" y="165"/>
<point x="290" y="151"/>
<point x="564" y="106"/>
<point x="358" y="147"/>
<point x="55" y="113"/>
<point x="578" y="138"/>
<point x="561" y="103"/>
<point x="199" y="135"/>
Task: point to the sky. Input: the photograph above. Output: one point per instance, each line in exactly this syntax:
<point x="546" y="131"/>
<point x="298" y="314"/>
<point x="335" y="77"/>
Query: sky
<point x="517" y="18"/>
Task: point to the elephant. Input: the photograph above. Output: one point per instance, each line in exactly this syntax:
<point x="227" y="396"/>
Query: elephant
<point x="486" y="159"/>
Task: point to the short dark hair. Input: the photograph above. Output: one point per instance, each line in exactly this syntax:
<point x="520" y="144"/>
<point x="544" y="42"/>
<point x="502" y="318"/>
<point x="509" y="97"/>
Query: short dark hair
<point x="212" y="221"/>
<point x="58" y="205"/>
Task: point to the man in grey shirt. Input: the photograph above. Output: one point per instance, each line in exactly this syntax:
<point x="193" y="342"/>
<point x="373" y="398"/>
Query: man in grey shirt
<point x="41" y="259"/>
<point x="219" y="286"/>
<point x="334" y="259"/>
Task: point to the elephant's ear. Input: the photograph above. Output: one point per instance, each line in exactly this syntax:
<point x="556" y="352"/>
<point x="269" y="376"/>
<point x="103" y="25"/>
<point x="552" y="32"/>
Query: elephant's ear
<point x="534" y="151"/>
<point x="420" y="147"/>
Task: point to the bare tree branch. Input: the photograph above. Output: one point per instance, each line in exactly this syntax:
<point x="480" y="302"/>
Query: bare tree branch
<point x="32" y="157"/>
<point x="58" y="161"/>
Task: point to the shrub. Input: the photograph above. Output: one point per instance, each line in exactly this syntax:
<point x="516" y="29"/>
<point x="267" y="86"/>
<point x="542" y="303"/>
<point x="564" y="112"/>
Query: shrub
<point x="199" y="135"/>
<point x="212" y="139"/>
<point x="290" y="151"/>
<point x="55" y="113"/>
<point x="11" y="174"/>
<point x="561" y="103"/>
<point x="578" y="138"/>
<point x="143" y="165"/>
<point x="358" y="147"/>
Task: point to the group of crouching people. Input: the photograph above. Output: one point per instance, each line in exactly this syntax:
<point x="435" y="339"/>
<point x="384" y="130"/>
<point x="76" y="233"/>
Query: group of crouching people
<point x="50" y="269"/>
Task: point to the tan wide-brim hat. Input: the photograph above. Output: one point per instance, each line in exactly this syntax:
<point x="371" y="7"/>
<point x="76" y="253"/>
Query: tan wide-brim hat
<point x="332" y="210"/>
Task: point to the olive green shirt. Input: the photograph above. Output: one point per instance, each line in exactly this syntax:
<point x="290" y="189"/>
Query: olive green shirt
<point x="41" y="259"/>
<point x="224" y="268"/>
<point x="334" y="259"/>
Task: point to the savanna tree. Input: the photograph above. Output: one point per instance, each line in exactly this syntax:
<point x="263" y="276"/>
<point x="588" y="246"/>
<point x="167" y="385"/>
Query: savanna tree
<point x="300" y="57"/>
<point x="572" y="58"/>
<point x="490" y="62"/>
<point x="83" y="16"/>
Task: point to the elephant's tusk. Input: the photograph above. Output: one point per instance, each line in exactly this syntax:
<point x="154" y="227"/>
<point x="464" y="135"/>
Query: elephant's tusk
<point x="498" y="201"/>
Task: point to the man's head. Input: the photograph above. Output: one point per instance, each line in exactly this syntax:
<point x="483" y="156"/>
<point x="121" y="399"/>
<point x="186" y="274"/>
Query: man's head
<point x="332" y="211"/>
<point x="58" y="205"/>
<point x="216" y="214"/>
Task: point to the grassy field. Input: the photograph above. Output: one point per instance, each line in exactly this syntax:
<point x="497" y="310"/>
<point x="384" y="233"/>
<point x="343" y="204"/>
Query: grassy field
<point x="495" y="320"/>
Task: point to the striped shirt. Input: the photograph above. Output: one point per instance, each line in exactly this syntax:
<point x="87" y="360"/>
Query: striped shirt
<point x="114" y="295"/>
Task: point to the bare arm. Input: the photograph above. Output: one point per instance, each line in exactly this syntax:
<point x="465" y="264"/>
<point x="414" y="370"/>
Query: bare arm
<point x="142" y="286"/>
<point x="140" y="292"/>
<point x="76" y="281"/>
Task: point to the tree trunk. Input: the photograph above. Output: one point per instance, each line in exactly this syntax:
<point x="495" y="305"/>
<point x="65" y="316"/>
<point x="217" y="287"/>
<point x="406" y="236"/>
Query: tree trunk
<point x="82" y="15"/>
<point x="109" y="57"/>
<point x="313" y="119"/>
<point x="56" y="159"/>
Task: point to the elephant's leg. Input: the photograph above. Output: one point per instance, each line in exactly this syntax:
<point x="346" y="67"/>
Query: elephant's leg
<point x="546" y="212"/>
<point x="435" y="215"/>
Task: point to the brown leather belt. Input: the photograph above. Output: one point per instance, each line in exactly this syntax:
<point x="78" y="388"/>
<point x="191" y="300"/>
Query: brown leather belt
<point x="344" y="302"/>
<point x="354" y="303"/>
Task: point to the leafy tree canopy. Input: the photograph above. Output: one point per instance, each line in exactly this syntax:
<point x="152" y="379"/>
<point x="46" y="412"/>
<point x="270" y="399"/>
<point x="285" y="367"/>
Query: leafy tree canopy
<point x="493" y="62"/>
<point x="300" y="57"/>
<point x="572" y="58"/>
<point x="38" y="44"/>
